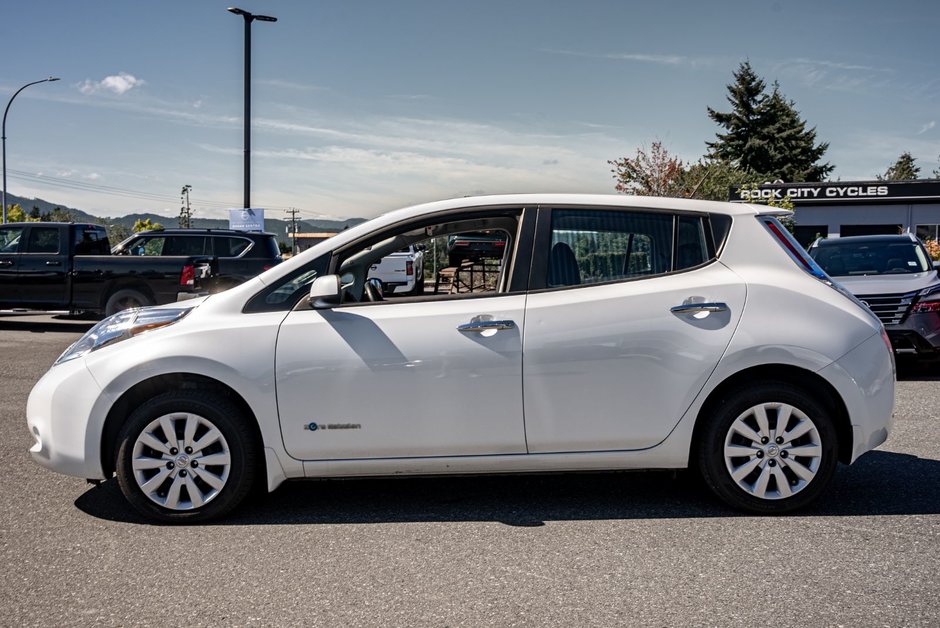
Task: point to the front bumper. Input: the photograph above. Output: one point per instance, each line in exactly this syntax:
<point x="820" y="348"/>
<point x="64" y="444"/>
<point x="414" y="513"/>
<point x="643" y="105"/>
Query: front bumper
<point x="63" y="418"/>
<point x="919" y="334"/>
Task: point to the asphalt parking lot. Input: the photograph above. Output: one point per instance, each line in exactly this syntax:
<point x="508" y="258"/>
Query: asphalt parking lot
<point x="608" y="549"/>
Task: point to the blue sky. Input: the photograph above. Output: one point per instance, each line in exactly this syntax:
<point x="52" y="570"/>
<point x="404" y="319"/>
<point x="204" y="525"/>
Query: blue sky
<point x="360" y="107"/>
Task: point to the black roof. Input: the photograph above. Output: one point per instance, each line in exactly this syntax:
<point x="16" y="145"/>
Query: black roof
<point x="179" y="230"/>
<point x="868" y="239"/>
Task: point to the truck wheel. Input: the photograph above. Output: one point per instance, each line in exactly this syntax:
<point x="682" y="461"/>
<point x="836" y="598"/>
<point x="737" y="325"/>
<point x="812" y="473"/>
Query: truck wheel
<point x="186" y="456"/>
<point x="125" y="299"/>
<point x="769" y="448"/>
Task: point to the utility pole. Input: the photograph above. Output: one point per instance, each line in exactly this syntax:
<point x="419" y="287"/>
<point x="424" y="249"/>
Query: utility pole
<point x="293" y="229"/>
<point x="186" y="214"/>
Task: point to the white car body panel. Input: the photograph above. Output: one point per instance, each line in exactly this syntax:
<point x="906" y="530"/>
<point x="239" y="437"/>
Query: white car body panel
<point x="621" y="373"/>
<point x="411" y="389"/>
<point x="291" y="367"/>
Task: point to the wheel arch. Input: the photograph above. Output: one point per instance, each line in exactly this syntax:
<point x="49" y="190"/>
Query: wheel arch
<point x="808" y="381"/>
<point x="158" y="384"/>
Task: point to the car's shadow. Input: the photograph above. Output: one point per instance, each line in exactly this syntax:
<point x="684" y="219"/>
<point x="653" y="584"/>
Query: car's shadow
<point x="880" y="483"/>
<point x="63" y="323"/>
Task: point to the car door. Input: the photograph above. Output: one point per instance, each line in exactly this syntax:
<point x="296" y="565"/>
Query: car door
<point x="10" y="239"/>
<point x="43" y="266"/>
<point x="434" y="375"/>
<point x="627" y="320"/>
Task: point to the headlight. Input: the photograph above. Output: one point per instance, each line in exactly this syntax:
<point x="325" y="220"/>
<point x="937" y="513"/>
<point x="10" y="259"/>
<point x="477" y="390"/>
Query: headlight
<point x="931" y="291"/>
<point x="122" y="326"/>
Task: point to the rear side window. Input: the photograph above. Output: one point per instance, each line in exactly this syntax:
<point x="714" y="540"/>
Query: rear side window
<point x="43" y="240"/>
<point x="229" y="247"/>
<point x="184" y="245"/>
<point x="91" y="241"/>
<point x="691" y="247"/>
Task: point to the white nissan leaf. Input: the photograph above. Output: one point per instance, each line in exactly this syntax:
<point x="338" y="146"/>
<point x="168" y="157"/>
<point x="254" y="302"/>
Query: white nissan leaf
<point x="609" y="332"/>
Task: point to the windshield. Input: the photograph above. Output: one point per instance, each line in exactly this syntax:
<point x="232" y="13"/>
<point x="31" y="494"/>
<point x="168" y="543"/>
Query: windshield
<point x="870" y="258"/>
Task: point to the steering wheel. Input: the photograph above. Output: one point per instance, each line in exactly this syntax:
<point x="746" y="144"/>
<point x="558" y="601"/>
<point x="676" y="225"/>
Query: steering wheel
<point x="373" y="291"/>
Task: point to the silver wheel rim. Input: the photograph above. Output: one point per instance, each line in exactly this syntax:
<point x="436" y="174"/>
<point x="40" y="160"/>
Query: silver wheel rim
<point x="181" y="461"/>
<point x="773" y="450"/>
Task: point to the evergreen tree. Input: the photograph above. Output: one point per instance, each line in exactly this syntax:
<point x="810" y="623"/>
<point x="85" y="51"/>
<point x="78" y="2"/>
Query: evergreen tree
<point x="765" y="134"/>
<point x="904" y="169"/>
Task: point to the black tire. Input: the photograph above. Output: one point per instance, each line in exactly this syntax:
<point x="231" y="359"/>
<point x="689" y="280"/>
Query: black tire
<point x="218" y="412"/>
<point x="716" y="469"/>
<point x="124" y="299"/>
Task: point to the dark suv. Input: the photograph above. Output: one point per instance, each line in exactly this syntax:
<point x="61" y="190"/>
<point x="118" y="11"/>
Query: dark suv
<point x="241" y="254"/>
<point x="894" y="277"/>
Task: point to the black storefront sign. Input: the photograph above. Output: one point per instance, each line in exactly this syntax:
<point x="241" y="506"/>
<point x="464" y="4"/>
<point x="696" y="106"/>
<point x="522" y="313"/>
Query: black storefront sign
<point x="841" y="192"/>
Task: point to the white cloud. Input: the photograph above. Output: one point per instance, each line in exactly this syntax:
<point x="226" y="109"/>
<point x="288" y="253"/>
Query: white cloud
<point x="93" y="176"/>
<point x="641" y="57"/>
<point x="116" y="83"/>
<point x="927" y="127"/>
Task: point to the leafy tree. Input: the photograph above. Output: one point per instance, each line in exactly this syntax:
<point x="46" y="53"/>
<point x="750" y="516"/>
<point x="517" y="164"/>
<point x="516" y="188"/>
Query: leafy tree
<point x="652" y="174"/>
<point x="765" y="134"/>
<point x="35" y="213"/>
<point x="15" y="213"/>
<point x="904" y="169"/>
<point x="710" y="179"/>
<point x="145" y="224"/>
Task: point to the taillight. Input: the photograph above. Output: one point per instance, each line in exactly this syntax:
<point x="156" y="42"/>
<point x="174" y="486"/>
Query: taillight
<point x="793" y="248"/>
<point x="926" y="306"/>
<point x="409" y="268"/>
<point x="188" y="276"/>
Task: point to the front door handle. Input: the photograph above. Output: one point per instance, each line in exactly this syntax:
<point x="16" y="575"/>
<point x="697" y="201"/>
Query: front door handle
<point x="695" y="308"/>
<point x="485" y="326"/>
<point x="53" y="263"/>
<point x="6" y="262"/>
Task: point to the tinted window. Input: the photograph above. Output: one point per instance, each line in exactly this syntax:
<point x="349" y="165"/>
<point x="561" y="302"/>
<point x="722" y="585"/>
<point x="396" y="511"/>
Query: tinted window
<point x="184" y="245"/>
<point x="596" y="246"/>
<point x="229" y="247"/>
<point x="91" y="241"/>
<point x="146" y="246"/>
<point x="43" y="240"/>
<point x="690" y="242"/>
<point x="10" y="239"/>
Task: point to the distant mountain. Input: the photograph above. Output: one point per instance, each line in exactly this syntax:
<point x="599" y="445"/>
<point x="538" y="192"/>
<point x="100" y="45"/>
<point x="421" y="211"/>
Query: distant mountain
<point x="276" y="226"/>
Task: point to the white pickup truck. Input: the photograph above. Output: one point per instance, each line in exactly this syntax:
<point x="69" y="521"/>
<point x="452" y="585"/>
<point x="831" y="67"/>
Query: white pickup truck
<point x="402" y="272"/>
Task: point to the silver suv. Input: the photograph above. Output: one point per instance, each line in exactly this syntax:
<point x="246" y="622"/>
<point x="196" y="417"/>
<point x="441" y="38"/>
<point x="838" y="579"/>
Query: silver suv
<point x="894" y="277"/>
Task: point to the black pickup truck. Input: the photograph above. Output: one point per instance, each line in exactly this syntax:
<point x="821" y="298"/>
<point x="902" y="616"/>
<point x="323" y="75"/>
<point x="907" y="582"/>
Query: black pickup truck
<point x="67" y="266"/>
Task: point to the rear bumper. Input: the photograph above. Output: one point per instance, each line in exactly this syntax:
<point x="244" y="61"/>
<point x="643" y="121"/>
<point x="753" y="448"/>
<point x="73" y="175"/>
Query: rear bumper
<point x="864" y="378"/>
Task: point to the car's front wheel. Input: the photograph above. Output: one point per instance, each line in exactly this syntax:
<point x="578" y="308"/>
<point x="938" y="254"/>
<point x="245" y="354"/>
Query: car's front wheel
<point x="186" y="456"/>
<point x="770" y="448"/>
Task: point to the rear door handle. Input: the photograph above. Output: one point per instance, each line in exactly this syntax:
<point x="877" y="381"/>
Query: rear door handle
<point x="6" y="262"/>
<point x="695" y="308"/>
<point x="485" y="326"/>
<point x="51" y="263"/>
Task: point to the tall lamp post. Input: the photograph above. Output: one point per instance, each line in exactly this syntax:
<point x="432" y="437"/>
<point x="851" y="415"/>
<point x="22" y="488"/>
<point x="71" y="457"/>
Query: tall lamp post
<point x="249" y="18"/>
<point x="4" y="134"/>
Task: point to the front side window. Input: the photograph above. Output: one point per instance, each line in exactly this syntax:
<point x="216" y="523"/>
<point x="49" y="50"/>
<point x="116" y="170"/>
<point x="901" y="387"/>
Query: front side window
<point x="146" y="246"/>
<point x="10" y="239"/>
<point x="440" y="260"/>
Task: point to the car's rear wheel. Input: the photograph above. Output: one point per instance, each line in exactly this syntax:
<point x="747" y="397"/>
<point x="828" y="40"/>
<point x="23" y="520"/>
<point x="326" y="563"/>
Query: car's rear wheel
<point x="770" y="448"/>
<point x="124" y="299"/>
<point x="186" y="456"/>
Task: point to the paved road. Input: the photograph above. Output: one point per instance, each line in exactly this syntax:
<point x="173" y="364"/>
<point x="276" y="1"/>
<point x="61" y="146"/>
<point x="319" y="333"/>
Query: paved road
<point x="627" y="549"/>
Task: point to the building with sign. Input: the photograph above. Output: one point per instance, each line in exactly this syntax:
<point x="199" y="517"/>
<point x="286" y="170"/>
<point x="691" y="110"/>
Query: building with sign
<point x="850" y="208"/>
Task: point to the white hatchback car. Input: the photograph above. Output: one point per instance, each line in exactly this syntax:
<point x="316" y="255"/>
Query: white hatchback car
<point x="616" y="333"/>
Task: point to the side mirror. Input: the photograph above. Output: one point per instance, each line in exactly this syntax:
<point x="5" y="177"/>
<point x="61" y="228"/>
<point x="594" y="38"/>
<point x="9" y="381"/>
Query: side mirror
<point x="325" y="292"/>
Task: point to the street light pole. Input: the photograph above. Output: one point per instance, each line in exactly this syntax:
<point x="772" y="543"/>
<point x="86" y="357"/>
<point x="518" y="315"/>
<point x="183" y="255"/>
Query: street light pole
<point x="249" y="18"/>
<point x="4" y="135"/>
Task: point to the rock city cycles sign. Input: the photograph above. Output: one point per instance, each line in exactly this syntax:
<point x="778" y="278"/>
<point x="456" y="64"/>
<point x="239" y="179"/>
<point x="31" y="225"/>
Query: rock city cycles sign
<point x="839" y="192"/>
